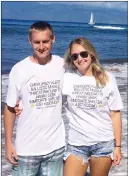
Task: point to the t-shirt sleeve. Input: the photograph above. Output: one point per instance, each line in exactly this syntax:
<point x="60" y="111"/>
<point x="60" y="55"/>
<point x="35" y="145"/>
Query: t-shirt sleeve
<point x="12" y="93"/>
<point x="114" y="100"/>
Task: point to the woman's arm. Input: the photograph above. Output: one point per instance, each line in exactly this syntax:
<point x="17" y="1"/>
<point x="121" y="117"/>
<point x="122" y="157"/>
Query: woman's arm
<point x="117" y="128"/>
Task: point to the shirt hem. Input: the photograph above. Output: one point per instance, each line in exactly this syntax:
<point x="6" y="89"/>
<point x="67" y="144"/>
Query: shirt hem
<point x="38" y="154"/>
<point x="89" y="144"/>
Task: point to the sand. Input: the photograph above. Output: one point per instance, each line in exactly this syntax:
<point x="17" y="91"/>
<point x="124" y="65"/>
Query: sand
<point x="120" y="170"/>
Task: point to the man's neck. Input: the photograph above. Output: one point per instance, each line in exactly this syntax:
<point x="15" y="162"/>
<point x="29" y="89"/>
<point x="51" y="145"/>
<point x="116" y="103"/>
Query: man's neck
<point x="42" y="61"/>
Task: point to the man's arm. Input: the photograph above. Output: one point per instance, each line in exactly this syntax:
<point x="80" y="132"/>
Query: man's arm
<point x="9" y="121"/>
<point x="117" y="127"/>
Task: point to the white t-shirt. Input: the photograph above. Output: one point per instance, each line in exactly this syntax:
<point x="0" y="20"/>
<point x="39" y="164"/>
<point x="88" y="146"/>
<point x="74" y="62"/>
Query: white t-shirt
<point x="88" y="108"/>
<point x="40" y="127"/>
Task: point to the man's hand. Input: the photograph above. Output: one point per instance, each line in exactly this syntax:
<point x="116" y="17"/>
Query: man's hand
<point x="11" y="155"/>
<point x="9" y="121"/>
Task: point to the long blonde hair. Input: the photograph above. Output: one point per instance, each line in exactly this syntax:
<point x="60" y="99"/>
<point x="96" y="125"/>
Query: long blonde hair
<point x="97" y="70"/>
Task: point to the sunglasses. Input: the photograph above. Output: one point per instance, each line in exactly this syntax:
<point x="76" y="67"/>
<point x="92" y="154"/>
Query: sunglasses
<point x="83" y="54"/>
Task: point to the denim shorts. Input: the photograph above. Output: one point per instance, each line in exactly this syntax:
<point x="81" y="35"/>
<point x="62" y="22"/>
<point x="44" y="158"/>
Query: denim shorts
<point x="48" y="165"/>
<point x="102" y="149"/>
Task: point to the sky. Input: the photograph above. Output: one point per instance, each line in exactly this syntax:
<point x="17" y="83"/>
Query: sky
<point x="104" y="12"/>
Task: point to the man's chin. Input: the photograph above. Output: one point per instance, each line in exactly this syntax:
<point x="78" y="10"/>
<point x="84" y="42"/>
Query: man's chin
<point x="43" y="55"/>
<point x="44" y="59"/>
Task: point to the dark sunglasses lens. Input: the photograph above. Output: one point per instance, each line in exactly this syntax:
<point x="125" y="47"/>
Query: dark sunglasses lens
<point x="74" y="57"/>
<point x="84" y="54"/>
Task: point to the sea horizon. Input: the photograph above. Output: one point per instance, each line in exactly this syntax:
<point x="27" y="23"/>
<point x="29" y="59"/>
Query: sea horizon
<point x="34" y="20"/>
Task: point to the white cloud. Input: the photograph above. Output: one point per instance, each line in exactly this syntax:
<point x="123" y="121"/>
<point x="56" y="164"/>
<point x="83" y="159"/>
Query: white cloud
<point x="120" y="5"/>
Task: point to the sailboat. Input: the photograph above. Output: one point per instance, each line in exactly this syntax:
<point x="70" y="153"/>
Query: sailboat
<point x="91" y="22"/>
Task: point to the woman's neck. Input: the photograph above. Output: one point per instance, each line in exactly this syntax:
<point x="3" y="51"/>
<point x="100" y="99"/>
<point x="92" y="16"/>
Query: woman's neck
<point x="87" y="72"/>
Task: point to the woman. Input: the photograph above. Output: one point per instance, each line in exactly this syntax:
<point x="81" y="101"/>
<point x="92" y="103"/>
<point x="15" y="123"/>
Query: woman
<point x="93" y="108"/>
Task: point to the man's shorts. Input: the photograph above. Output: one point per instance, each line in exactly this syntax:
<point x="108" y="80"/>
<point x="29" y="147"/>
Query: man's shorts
<point x="48" y="165"/>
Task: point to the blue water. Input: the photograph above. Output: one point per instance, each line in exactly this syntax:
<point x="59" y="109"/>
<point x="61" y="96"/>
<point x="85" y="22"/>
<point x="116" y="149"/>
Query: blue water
<point x="110" y="41"/>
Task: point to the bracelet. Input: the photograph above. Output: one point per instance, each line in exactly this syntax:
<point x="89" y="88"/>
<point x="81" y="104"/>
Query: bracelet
<point x="118" y="146"/>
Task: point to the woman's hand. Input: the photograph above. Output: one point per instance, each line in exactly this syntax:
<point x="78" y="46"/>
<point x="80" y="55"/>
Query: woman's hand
<point x="117" y="156"/>
<point x="17" y="109"/>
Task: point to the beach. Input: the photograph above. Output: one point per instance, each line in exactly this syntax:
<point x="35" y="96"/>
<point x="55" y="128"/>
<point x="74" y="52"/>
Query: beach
<point x="120" y="170"/>
<point x="110" y="42"/>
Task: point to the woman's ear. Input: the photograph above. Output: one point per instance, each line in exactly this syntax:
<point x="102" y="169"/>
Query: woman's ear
<point x="93" y="58"/>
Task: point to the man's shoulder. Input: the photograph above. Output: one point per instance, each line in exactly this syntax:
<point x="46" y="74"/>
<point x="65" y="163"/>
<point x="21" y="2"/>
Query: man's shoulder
<point x="57" y="58"/>
<point x="20" y="63"/>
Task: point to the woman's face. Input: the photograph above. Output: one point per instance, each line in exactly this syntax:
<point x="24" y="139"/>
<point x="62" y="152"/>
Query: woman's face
<point x="81" y="58"/>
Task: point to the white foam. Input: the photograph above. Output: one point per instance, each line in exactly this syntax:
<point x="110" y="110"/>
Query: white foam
<point x="4" y="86"/>
<point x="120" y="174"/>
<point x="109" y="27"/>
<point x="119" y="70"/>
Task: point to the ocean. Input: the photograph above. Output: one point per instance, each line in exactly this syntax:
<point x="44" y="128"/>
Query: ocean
<point x="110" y="41"/>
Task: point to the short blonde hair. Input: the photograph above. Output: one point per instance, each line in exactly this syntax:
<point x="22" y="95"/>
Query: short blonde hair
<point x="97" y="70"/>
<point x="40" y="26"/>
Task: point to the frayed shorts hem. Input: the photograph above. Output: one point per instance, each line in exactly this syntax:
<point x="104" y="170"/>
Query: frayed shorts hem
<point x="103" y="149"/>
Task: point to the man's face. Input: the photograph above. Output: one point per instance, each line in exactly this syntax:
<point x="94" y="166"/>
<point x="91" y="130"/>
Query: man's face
<point x="41" y="42"/>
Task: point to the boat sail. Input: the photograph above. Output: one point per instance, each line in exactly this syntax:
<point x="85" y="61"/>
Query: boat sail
<point x="91" y="22"/>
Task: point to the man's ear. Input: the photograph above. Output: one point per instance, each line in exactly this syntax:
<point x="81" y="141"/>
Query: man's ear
<point x="29" y="40"/>
<point x="53" y="40"/>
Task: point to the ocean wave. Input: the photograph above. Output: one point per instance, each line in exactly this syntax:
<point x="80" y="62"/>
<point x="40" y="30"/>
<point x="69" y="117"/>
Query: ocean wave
<point x="110" y="27"/>
<point x="119" y="70"/>
<point x="4" y="86"/>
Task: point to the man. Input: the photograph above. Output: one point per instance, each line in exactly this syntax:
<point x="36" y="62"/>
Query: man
<point x="37" y="81"/>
